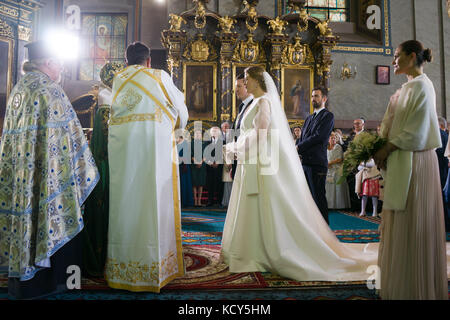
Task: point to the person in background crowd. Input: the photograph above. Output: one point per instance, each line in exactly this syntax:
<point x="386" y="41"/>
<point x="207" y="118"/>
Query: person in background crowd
<point x="368" y="185"/>
<point x="187" y="196"/>
<point x="337" y="195"/>
<point x="312" y="147"/>
<point x="96" y="209"/>
<point x="198" y="167"/>
<point x="442" y="159"/>
<point x="358" y="127"/>
<point x="214" y="162"/>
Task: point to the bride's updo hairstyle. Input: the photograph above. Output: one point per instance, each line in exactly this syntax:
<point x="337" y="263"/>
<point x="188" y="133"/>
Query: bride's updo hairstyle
<point x="257" y="73"/>
<point x="423" y="55"/>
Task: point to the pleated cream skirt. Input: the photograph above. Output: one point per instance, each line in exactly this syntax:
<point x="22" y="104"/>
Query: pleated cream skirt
<point x="412" y="252"/>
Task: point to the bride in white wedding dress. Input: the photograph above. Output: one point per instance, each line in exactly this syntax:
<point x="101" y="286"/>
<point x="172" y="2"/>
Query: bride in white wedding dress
<point x="273" y="223"/>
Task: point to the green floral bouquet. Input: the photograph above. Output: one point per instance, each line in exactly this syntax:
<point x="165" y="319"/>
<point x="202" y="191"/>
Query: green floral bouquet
<point x="361" y="149"/>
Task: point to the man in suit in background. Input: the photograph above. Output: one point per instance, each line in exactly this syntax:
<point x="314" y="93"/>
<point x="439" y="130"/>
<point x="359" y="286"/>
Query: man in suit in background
<point x="312" y="148"/>
<point x="247" y="99"/>
<point x="442" y="160"/>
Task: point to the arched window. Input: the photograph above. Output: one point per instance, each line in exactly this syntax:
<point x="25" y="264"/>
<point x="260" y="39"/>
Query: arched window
<point x="334" y="10"/>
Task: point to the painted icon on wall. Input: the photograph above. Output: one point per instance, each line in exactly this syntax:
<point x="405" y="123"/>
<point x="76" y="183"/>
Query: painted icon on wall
<point x="296" y="92"/>
<point x="383" y="75"/>
<point x="200" y="90"/>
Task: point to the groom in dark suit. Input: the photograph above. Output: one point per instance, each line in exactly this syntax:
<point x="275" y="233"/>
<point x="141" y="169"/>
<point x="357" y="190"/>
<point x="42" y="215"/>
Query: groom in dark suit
<point x="312" y="148"/>
<point x="247" y="99"/>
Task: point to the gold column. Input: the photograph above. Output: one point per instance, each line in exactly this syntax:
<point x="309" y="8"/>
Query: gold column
<point x="174" y="39"/>
<point x="227" y="40"/>
<point x="277" y="41"/>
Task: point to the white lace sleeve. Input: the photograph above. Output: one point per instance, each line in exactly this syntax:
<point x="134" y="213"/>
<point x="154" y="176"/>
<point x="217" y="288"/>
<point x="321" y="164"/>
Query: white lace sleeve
<point x="262" y="118"/>
<point x="250" y="144"/>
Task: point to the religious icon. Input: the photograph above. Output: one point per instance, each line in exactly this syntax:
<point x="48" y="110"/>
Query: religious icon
<point x="200" y="90"/>
<point x="383" y="75"/>
<point x="199" y="95"/>
<point x="103" y="43"/>
<point x="104" y="38"/>
<point x="297" y="86"/>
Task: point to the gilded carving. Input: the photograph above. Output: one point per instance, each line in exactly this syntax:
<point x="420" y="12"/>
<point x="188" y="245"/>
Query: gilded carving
<point x="296" y="53"/>
<point x="249" y="51"/>
<point x="9" y="11"/>
<point x="304" y="18"/>
<point x="26" y="15"/>
<point x="200" y="50"/>
<point x="226" y="23"/>
<point x="277" y="25"/>
<point x="324" y="28"/>
<point x="175" y="22"/>
<point x="225" y="62"/>
<point x="6" y="30"/>
<point x="252" y="20"/>
<point x="24" y="33"/>
<point x="200" y="16"/>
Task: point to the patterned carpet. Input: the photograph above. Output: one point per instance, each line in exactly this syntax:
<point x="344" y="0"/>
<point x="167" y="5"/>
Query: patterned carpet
<point x="205" y="227"/>
<point x="208" y="278"/>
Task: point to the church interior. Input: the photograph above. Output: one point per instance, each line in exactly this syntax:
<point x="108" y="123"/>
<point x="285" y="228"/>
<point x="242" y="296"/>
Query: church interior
<point x="346" y="46"/>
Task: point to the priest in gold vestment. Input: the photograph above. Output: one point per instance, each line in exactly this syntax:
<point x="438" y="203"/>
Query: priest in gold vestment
<point x="144" y="234"/>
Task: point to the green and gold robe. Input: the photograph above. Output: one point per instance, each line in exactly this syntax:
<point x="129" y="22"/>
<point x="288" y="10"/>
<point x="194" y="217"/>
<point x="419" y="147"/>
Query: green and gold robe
<point x="46" y="173"/>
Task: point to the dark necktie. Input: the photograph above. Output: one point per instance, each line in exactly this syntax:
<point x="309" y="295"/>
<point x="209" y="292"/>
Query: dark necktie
<point x="241" y="112"/>
<point x="241" y="106"/>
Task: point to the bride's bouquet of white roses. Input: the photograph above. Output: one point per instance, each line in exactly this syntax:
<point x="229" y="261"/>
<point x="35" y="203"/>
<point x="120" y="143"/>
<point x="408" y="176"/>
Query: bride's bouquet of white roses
<point x="361" y="149"/>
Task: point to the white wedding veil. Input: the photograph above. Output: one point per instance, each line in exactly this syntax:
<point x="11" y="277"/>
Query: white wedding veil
<point x="280" y="125"/>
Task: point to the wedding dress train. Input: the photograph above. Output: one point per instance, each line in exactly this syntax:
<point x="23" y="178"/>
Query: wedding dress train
<point x="273" y="223"/>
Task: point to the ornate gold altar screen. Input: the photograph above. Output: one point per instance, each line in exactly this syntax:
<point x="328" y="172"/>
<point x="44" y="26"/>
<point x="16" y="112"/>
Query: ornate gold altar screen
<point x="207" y="52"/>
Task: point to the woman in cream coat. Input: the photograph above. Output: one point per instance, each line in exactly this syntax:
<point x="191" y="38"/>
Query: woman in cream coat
<point x="412" y="253"/>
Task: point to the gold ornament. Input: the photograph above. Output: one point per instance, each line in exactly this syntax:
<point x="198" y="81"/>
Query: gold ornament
<point x="200" y="18"/>
<point x="277" y="25"/>
<point x="304" y="18"/>
<point x="6" y="30"/>
<point x="249" y="51"/>
<point x="175" y="22"/>
<point x="324" y="28"/>
<point x="296" y="53"/>
<point x="252" y="21"/>
<point x="200" y="50"/>
<point x="226" y="24"/>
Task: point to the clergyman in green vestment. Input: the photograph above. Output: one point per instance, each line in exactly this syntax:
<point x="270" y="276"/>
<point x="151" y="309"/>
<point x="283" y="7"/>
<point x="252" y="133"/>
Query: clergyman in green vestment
<point x="95" y="234"/>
